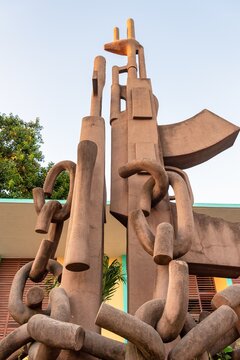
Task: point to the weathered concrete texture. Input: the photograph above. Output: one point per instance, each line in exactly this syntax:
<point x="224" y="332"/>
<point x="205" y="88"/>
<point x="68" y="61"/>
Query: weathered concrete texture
<point x="41" y="351"/>
<point x="34" y="297"/>
<point x="175" y="310"/>
<point x="20" y="311"/>
<point x="136" y="137"/>
<point x="227" y="339"/>
<point x="70" y="167"/>
<point x="77" y="257"/>
<point x="189" y="324"/>
<point x="205" y="334"/>
<point x="194" y="141"/>
<point x="14" y="341"/>
<point x="60" y="310"/>
<point x="164" y="230"/>
<point x="38" y="270"/>
<point x="103" y="347"/>
<point x="55" y="333"/>
<point x="84" y="288"/>
<point x="229" y="296"/>
<point x="215" y="250"/>
<point x="136" y="331"/>
<point x="151" y="312"/>
<point x="163" y="244"/>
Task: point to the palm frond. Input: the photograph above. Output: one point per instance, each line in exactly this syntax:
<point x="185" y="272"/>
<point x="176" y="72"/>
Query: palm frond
<point x="112" y="277"/>
<point x="51" y="282"/>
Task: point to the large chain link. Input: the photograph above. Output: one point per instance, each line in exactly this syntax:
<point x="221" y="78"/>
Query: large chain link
<point x="168" y="316"/>
<point x="50" y="219"/>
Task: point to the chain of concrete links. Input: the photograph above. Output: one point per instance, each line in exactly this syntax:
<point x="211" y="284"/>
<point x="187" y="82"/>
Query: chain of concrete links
<point x="157" y="321"/>
<point x="47" y="332"/>
<point x="160" y="321"/>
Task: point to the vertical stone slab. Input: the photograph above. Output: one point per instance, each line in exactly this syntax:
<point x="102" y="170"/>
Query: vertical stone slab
<point x="84" y="288"/>
<point x="143" y="142"/>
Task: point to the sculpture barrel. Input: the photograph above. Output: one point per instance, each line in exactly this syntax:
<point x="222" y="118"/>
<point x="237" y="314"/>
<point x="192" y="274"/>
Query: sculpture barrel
<point x="20" y="311"/>
<point x="34" y="297"/>
<point x="185" y="224"/>
<point x="132" y="352"/>
<point x="60" y="310"/>
<point x="228" y="338"/>
<point x="189" y="324"/>
<point x="77" y="252"/>
<point x="115" y="95"/>
<point x="57" y="334"/>
<point x="205" y="334"/>
<point x="102" y="347"/>
<point x="14" y="341"/>
<point x="40" y="351"/>
<point x="155" y="169"/>
<point x="63" y="213"/>
<point x="38" y="270"/>
<point x="45" y="216"/>
<point x="141" y="334"/>
<point x="175" y="311"/>
<point x="229" y="296"/>
<point x="163" y="245"/>
<point x="151" y="311"/>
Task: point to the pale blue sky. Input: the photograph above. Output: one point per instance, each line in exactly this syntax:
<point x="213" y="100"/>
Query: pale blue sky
<point x="192" y="55"/>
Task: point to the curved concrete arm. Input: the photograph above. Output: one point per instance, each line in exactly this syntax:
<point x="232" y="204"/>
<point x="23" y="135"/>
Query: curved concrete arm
<point x="139" y="333"/>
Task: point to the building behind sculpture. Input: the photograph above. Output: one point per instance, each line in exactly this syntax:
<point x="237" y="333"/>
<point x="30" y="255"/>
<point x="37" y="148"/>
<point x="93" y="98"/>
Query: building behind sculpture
<point x="19" y="244"/>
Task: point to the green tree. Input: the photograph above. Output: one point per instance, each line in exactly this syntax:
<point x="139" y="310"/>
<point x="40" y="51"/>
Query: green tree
<point x="21" y="159"/>
<point x="20" y="156"/>
<point x="61" y="186"/>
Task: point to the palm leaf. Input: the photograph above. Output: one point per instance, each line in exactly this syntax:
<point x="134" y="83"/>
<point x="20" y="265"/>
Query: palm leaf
<point x="50" y="283"/>
<point x="112" y="277"/>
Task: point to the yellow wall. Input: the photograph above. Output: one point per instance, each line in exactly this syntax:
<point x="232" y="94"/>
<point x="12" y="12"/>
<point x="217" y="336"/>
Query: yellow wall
<point x="117" y="302"/>
<point x="60" y="260"/>
<point x="220" y="283"/>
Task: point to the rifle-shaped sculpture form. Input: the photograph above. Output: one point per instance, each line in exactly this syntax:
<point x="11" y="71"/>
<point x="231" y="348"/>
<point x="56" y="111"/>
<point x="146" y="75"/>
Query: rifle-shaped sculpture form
<point x="153" y="157"/>
<point x="165" y="237"/>
<point x="156" y="154"/>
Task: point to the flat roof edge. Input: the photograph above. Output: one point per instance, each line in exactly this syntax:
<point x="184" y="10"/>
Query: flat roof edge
<point x="24" y="201"/>
<point x="216" y="205"/>
<point x="210" y="205"/>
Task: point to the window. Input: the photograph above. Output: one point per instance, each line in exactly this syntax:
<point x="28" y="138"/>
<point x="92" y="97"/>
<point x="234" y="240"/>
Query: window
<point x="201" y="291"/>
<point x="8" y="268"/>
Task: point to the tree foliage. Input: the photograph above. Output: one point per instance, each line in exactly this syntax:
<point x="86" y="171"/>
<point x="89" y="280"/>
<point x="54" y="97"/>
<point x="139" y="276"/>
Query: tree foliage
<point x="61" y="186"/>
<point x="21" y="159"/>
<point x="20" y="156"/>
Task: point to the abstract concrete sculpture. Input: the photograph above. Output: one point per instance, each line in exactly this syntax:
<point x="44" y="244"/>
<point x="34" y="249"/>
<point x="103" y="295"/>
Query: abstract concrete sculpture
<point x="166" y="239"/>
